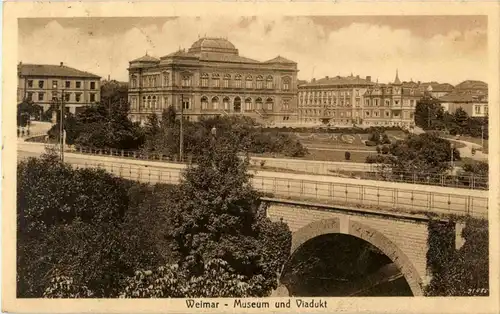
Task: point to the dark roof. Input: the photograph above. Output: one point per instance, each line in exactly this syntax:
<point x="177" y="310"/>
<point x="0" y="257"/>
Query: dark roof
<point x="53" y="70"/>
<point x="471" y="84"/>
<point x="280" y="59"/>
<point x="145" y="58"/>
<point x="213" y="43"/>
<point x="339" y="80"/>
<point x="179" y="54"/>
<point x="437" y="87"/>
<point x="226" y="58"/>
<point x="463" y="97"/>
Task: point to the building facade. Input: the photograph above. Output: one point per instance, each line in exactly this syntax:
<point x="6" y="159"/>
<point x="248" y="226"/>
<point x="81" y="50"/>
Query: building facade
<point x="346" y="101"/>
<point x="474" y="105"/>
<point x="336" y="100"/>
<point x="211" y="79"/>
<point x="47" y="85"/>
<point x="470" y="95"/>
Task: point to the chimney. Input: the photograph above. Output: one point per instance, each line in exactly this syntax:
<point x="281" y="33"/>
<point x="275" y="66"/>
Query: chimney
<point x="327" y="77"/>
<point x="313" y="80"/>
<point x="108" y="77"/>
<point x="369" y="78"/>
<point x="61" y="64"/>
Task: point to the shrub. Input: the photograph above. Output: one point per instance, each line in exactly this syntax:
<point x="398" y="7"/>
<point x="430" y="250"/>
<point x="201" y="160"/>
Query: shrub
<point x="385" y="149"/>
<point x="347" y="156"/>
<point x="370" y="143"/>
<point x="379" y="149"/>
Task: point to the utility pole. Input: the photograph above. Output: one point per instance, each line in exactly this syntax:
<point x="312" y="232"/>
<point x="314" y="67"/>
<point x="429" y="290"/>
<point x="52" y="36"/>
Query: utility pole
<point x="482" y="136"/>
<point x="181" y="141"/>
<point x="428" y="116"/>
<point x="61" y="122"/>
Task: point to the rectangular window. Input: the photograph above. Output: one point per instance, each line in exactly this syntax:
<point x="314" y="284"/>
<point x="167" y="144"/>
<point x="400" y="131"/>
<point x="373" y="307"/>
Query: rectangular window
<point x="54" y="84"/>
<point x="30" y="83"/>
<point x="216" y="82"/>
<point x="41" y="83"/>
<point x="92" y="85"/>
<point x="68" y="84"/>
<point x="204" y="82"/>
<point x="348" y="114"/>
<point x="67" y="96"/>
<point x="367" y="102"/>
<point x="485" y="110"/>
<point x="40" y="96"/>
<point x="185" y="104"/>
<point x="30" y="96"/>
<point x="78" y="97"/>
<point x="92" y="97"/>
<point x="477" y="109"/>
<point x="248" y="84"/>
<point x="78" y="84"/>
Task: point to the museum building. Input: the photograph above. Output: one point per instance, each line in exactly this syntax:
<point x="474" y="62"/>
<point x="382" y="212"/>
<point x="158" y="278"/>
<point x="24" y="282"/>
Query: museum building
<point x="212" y="79"/>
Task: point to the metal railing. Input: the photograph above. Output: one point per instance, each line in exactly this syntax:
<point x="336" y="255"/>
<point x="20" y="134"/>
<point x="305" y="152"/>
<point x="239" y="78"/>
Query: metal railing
<point x="335" y="193"/>
<point x="337" y="169"/>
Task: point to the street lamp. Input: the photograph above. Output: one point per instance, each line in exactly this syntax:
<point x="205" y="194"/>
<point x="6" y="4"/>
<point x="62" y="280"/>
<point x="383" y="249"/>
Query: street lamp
<point x="452" y="146"/>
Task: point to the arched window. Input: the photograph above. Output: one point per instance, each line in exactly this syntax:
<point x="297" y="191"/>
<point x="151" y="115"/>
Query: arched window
<point x="269" y="104"/>
<point x="248" y="104"/>
<point x="237" y="104"/>
<point x="249" y="82"/>
<point x="285" y="105"/>
<point x="225" y="102"/>
<point x="269" y="82"/>
<point x="237" y="81"/>
<point x="165" y="79"/>
<point x="260" y="79"/>
<point x="204" y="103"/>
<point x="258" y="103"/>
<point x="204" y="80"/>
<point x="215" y="80"/>
<point x="215" y="103"/>
<point x="144" y="103"/>
<point x="227" y="78"/>
<point x="154" y="104"/>
<point x="134" y="82"/>
<point x="186" y="80"/>
<point x="149" y="102"/>
<point x="144" y="81"/>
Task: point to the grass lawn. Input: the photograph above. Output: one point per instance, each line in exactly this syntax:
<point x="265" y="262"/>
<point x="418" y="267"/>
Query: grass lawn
<point x="326" y="155"/>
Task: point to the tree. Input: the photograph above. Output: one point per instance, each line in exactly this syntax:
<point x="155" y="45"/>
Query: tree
<point x="215" y="215"/>
<point x="425" y="153"/>
<point x="114" y="94"/>
<point x="429" y="114"/>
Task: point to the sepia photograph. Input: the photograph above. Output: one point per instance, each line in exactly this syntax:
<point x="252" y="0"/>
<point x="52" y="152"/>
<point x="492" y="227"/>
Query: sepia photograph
<point x="297" y="157"/>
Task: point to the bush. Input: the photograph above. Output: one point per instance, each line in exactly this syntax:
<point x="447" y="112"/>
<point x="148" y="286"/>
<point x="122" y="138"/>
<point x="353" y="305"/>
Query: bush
<point x="370" y="143"/>
<point x="347" y="156"/>
<point x="385" y="149"/>
<point x="379" y="149"/>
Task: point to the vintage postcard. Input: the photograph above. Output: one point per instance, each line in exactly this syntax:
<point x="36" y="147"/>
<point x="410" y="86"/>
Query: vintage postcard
<point x="250" y="157"/>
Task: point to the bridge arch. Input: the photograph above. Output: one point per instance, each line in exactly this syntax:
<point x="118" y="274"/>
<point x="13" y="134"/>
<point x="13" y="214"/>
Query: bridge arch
<point x="363" y="232"/>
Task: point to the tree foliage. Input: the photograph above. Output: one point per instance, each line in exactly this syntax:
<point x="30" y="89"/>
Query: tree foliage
<point x="462" y="272"/>
<point x="420" y="154"/>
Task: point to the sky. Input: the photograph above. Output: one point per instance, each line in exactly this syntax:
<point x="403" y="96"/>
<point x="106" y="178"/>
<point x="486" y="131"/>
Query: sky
<point x="423" y="48"/>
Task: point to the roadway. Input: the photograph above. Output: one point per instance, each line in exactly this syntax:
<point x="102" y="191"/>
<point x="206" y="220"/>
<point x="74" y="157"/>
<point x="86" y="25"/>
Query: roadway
<point x="369" y="194"/>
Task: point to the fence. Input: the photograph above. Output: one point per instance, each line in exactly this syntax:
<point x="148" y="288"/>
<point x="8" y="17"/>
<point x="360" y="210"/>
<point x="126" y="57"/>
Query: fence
<point x="336" y="193"/>
<point x="342" y="169"/>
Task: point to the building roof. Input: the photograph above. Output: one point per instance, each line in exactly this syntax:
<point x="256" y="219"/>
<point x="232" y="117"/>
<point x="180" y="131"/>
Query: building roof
<point x="460" y="97"/>
<point x="280" y="59"/>
<point x="146" y="58"/>
<point x="396" y="80"/>
<point x="214" y="45"/>
<point x="471" y="84"/>
<point x="53" y="70"/>
<point x="436" y="87"/>
<point x="338" y="80"/>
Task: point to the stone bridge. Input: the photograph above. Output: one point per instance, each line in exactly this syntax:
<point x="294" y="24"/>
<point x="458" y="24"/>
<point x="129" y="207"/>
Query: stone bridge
<point x="401" y="237"/>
